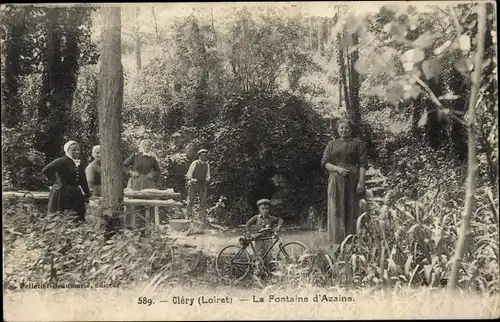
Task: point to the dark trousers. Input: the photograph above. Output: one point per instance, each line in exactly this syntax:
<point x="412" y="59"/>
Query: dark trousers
<point x="194" y="189"/>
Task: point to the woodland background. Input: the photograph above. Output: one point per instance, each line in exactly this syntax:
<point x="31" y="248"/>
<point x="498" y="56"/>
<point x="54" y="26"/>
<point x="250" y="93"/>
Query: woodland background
<point x="240" y="81"/>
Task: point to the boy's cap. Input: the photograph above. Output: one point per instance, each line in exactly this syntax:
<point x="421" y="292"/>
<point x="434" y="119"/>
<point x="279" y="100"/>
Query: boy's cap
<point x="263" y="202"/>
<point x="202" y="151"/>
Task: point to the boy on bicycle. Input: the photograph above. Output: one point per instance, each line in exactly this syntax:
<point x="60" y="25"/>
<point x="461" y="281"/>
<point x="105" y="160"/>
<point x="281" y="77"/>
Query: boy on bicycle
<point x="260" y="221"/>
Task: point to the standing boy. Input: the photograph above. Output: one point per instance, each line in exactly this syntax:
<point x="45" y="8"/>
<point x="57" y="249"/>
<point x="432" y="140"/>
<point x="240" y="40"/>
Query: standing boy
<point x="263" y="220"/>
<point x="198" y="177"/>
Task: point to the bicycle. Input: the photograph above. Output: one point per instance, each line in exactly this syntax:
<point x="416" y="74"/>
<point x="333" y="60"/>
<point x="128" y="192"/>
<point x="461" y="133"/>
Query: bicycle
<point x="236" y="260"/>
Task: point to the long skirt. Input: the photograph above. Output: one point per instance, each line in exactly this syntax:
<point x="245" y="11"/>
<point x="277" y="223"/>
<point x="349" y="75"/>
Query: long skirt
<point x="343" y="205"/>
<point x="68" y="198"/>
<point x="139" y="183"/>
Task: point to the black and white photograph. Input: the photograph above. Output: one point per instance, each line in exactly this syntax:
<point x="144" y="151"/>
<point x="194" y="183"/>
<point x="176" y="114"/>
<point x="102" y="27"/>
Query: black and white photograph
<point x="193" y="161"/>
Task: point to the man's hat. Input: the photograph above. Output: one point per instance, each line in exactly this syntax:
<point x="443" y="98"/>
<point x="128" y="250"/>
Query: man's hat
<point x="263" y="202"/>
<point x="202" y="151"/>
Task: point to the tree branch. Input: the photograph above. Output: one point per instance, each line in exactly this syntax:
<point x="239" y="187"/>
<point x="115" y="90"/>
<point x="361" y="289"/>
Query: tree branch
<point x="438" y="102"/>
<point x="455" y="20"/>
<point x="156" y="25"/>
<point x="429" y="91"/>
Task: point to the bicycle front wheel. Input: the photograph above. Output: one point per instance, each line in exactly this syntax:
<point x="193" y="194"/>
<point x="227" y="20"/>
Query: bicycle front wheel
<point x="234" y="262"/>
<point x="294" y="253"/>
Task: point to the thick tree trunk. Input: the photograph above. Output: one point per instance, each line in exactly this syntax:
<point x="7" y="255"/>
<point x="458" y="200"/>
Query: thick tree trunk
<point x="110" y="116"/>
<point x="59" y="81"/>
<point x="51" y="116"/>
<point x="472" y="167"/>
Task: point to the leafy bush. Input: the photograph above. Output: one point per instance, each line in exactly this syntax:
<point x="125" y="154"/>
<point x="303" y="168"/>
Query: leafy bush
<point x="414" y="241"/>
<point x="413" y="168"/>
<point x="247" y="124"/>
<point x="418" y="239"/>
<point x="22" y="163"/>
<point x="41" y="248"/>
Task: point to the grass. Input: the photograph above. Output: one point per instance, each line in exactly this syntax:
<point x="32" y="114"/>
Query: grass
<point x="122" y="304"/>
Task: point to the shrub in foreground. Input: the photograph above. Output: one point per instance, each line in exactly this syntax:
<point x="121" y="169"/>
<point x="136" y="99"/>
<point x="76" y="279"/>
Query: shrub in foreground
<point x="41" y="248"/>
<point x="412" y="243"/>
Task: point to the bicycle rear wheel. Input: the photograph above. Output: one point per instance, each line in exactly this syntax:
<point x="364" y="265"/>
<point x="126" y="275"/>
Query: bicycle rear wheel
<point x="233" y="261"/>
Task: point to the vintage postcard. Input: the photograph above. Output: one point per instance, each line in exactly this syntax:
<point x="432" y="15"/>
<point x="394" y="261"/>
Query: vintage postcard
<point x="250" y="161"/>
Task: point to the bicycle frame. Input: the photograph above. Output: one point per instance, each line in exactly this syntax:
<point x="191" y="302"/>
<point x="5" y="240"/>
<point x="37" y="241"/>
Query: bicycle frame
<point x="255" y="253"/>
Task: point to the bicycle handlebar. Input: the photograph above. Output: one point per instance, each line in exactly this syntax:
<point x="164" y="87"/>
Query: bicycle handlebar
<point x="259" y="233"/>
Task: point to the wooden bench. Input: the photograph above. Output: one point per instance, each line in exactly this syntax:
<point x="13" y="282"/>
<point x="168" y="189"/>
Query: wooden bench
<point x="148" y="203"/>
<point x="151" y="198"/>
<point x="166" y="200"/>
<point x="37" y="195"/>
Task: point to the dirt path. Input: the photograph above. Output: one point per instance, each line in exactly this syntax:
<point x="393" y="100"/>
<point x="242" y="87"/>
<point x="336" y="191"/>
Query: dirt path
<point x="213" y="241"/>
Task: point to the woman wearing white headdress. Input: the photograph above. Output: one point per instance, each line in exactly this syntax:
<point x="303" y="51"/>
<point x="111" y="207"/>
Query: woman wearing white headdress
<point x="70" y="190"/>
<point x="143" y="168"/>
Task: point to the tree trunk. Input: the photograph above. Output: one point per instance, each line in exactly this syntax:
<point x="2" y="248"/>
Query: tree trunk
<point x="310" y="38"/>
<point x="216" y="40"/>
<point x="11" y="107"/>
<point x="354" y="84"/>
<point x="319" y="35"/>
<point x="155" y="23"/>
<point x="59" y="80"/>
<point x="110" y="116"/>
<point x="472" y="166"/>
<point x="490" y="93"/>
<point x="343" y="76"/>
<point x="340" y="92"/>
<point x="51" y="116"/>
<point x="137" y="40"/>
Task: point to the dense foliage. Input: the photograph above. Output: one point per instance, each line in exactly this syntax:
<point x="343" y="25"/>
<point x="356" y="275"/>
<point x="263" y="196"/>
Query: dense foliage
<point x="292" y="132"/>
<point x="44" y="49"/>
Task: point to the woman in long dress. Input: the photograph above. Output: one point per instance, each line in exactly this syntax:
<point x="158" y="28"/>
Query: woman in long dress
<point x="345" y="160"/>
<point x="93" y="172"/>
<point x="143" y="169"/>
<point x="69" y="191"/>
